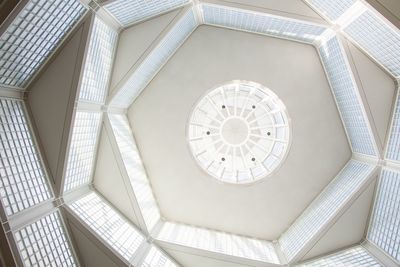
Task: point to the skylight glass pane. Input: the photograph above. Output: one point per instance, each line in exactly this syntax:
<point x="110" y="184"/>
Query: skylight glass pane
<point x="356" y="256"/>
<point x="155" y="61"/>
<point x="347" y="97"/>
<point x="324" y="208"/>
<point x="131" y="11"/>
<point x="22" y="177"/>
<point x="332" y="9"/>
<point x="134" y="167"/>
<point x="393" y="149"/>
<point x="156" y="258"/>
<point x="45" y="243"/>
<point x="33" y="35"/>
<point x="82" y="149"/>
<point x="110" y="226"/>
<point x="98" y="63"/>
<point x="218" y="242"/>
<point x="384" y="230"/>
<point x="379" y="39"/>
<point x="245" y="20"/>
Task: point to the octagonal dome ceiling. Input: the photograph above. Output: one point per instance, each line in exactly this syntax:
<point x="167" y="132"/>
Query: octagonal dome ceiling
<point x="111" y="172"/>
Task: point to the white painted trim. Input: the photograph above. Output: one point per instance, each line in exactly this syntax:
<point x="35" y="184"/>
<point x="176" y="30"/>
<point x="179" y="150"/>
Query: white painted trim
<point x="125" y="176"/>
<point x="269" y="12"/>
<point x="379" y="254"/>
<point x="11" y="92"/>
<point x="119" y="86"/>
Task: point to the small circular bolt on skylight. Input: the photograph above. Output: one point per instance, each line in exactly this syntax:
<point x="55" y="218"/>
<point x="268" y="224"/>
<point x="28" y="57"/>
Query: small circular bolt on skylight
<point x="239" y="132"/>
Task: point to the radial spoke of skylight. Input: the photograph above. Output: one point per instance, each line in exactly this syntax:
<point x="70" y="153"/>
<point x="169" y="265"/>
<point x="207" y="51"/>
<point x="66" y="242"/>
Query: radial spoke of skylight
<point x="322" y="211"/>
<point x="135" y="170"/>
<point x="33" y="35"/>
<point x="245" y="20"/>
<point x="347" y="97"/>
<point x="127" y="12"/>
<point x="150" y="66"/>
<point x="109" y="225"/>
<point x="384" y="228"/>
<point x="98" y="64"/>
<point x="218" y="242"/>
<point x="45" y="243"/>
<point x="82" y="149"/>
<point x="355" y="256"/>
<point x="23" y="179"/>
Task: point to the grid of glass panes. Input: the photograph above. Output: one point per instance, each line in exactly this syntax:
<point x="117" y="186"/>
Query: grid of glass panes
<point x="384" y="229"/>
<point x="23" y="181"/>
<point x="323" y="209"/>
<point x="45" y="243"/>
<point x="347" y="98"/>
<point x="332" y="9"/>
<point x="33" y="35"/>
<point x="82" y="151"/>
<point x="218" y="242"/>
<point x="134" y="167"/>
<point x="155" y="61"/>
<point x="356" y="256"/>
<point x="378" y="39"/>
<point x="98" y="65"/>
<point x="156" y="258"/>
<point x="262" y="23"/>
<point x="128" y="11"/>
<point x="110" y="226"/>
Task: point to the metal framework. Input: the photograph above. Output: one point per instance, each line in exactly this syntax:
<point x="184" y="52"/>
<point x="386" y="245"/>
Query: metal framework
<point x="32" y="205"/>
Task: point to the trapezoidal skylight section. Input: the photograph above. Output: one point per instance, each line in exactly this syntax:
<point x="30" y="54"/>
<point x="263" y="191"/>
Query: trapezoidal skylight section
<point x="355" y="256"/>
<point x="23" y="180"/>
<point x="323" y="210"/>
<point x="98" y="63"/>
<point x="33" y="35"/>
<point x="113" y="229"/>
<point x="218" y="242"/>
<point x="347" y="97"/>
<point x="255" y="22"/>
<point x="127" y="12"/>
<point x="150" y="66"/>
<point x="45" y="243"/>
<point x="332" y="9"/>
<point x="135" y="170"/>
<point x="384" y="229"/>
<point x="378" y="38"/>
<point x="156" y="258"/>
<point x="82" y="149"/>
<point x="393" y="146"/>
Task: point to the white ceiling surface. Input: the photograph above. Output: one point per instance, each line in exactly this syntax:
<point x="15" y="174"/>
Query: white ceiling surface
<point x="296" y="7"/>
<point x="212" y="56"/>
<point x="52" y="118"/>
<point x="134" y="41"/>
<point x="88" y="252"/>
<point x="56" y="82"/>
<point x="349" y="229"/>
<point x="109" y="181"/>
<point x="378" y="87"/>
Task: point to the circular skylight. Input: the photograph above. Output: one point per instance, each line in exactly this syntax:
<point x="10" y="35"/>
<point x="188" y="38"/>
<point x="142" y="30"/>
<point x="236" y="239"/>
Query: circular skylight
<point x="239" y="132"/>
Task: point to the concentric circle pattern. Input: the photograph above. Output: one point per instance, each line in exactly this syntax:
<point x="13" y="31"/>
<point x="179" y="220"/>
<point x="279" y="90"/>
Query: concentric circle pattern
<point x="239" y="132"/>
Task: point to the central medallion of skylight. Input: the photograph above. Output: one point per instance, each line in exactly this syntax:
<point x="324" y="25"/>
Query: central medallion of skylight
<point x="239" y="132"/>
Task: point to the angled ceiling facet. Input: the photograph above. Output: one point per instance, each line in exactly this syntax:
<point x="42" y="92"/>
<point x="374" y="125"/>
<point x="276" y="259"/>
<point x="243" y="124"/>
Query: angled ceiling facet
<point x="36" y="202"/>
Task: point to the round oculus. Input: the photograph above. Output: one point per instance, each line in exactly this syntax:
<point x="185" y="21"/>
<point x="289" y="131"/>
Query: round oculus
<point x="239" y="132"/>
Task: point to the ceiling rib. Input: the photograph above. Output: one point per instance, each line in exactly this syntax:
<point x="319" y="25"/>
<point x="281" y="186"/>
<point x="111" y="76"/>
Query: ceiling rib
<point x="125" y="175"/>
<point x="144" y="70"/>
<point x="379" y="254"/>
<point x="325" y="209"/>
